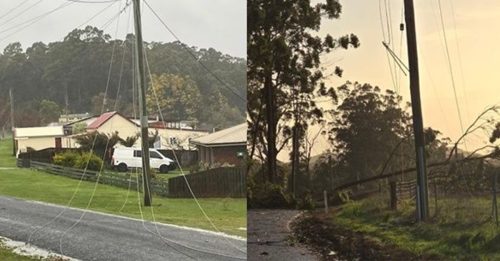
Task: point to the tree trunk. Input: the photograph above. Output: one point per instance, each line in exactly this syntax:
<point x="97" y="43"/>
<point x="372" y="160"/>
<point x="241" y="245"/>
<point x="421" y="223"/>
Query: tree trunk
<point x="295" y="157"/>
<point x="271" y="127"/>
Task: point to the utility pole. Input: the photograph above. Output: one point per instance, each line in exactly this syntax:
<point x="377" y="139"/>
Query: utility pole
<point x="12" y="121"/>
<point x="141" y="83"/>
<point x="418" y="126"/>
<point x="66" y="99"/>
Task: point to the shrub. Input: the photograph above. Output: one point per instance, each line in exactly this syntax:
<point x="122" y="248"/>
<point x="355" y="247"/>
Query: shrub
<point x="306" y="202"/>
<point x="267" y="195"/>
<point x="66" y="159"/>
<point x="94" y="162"/>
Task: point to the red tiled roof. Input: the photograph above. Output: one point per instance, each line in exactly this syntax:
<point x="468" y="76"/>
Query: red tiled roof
<point x="101" y="120"/>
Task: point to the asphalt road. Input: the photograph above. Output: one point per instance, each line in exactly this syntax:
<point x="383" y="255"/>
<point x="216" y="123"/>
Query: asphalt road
<point x="104" y="237"/>
<point x="269" y="234"/>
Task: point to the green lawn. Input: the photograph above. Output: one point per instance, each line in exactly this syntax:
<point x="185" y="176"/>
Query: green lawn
<point x="6" y="158"/>
<point x="8" y="255"/>
<point x="462" y="229"/>
<point x="229" y="215"/>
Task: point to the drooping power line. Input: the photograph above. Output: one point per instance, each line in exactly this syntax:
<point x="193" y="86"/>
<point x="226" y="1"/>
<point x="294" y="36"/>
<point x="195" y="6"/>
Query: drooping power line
<point x="227" y="86"/>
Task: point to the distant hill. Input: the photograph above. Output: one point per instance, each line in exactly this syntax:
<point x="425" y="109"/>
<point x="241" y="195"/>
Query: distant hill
<point x="73" y="73"/>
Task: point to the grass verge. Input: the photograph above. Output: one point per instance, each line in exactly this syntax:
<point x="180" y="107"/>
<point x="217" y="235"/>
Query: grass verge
<point x="461" y="228"/>
<point x="8" y="255"/>
<point x="228" y="214"/>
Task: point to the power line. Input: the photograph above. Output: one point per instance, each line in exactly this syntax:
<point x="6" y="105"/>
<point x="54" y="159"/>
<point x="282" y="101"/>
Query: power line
<point x="454" y="88"/>
<point x="194" y="56"/>
<point x="97" y="14"/>
<point x="397" y="61"/>
<point x="32" y="21"/>
<point x="450" y="67"/>
<point x="459" y="58"/>
<point x="388" y="39"/>
<point x="74" y="192"/>
<point x="20" y="13"/>
<point x="12" y="9"/>
<point x="179" y="163"/>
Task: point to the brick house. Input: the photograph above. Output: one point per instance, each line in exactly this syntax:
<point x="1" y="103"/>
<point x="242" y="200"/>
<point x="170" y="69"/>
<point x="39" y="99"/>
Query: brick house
<point x="224" y="146"/>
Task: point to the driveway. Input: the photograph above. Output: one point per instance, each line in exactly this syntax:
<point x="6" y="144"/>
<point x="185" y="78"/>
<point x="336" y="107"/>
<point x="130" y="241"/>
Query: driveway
<point x="269" y="234"/>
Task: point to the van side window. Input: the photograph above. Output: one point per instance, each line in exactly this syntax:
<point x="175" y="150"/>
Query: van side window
<point x="155" y="155"/>
<point x="138" y="153"/>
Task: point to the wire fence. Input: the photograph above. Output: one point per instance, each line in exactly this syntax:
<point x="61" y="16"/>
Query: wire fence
<point x="458" y="193"/>
<point x="126" y="180"/>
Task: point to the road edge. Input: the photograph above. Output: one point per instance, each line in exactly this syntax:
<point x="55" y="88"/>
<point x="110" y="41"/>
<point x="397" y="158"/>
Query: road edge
<point x="210" y="232"/>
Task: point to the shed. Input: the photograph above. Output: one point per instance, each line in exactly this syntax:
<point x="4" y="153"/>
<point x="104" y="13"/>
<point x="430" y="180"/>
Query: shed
<point x="224" y="146"/>
<point x="38" y="138"/>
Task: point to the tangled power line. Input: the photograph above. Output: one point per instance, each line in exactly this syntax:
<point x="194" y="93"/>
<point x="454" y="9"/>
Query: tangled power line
<point x="171" y="243"/>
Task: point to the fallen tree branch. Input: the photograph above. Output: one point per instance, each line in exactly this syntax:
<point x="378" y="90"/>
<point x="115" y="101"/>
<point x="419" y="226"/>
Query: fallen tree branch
<point x="494" y="154"/>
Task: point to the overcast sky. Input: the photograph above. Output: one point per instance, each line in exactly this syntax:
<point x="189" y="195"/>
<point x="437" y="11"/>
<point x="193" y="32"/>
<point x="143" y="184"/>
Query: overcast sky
<point x="220" y="24"/>
<point x="476" y="36"/>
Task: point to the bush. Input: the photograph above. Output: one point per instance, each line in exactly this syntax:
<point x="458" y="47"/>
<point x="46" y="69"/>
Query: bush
<point x="267" y="195"/>
<point x="94" y="162"/>
<point x="306" y="203"/>
<point x="66" y="159"/>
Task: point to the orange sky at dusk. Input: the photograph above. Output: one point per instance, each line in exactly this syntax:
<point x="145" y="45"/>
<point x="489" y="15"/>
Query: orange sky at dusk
<point x="470" y="29"/>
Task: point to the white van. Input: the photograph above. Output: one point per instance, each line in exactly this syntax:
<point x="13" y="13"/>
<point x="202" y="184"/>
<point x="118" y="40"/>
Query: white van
<point x="124" y="158"/>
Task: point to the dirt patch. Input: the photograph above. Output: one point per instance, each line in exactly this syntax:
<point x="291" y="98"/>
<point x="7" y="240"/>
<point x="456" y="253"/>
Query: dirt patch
<point x="333" y="242"/>
<point x="269" y="237"/>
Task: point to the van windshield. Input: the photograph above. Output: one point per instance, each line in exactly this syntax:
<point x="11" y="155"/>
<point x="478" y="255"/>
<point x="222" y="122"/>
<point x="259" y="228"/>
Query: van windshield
<point x="154" y="154"/>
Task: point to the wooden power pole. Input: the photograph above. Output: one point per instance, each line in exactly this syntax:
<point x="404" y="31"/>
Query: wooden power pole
<point x="12" y="121"/>
<point x="418" y="126"/>
<point x="141" y="83"/>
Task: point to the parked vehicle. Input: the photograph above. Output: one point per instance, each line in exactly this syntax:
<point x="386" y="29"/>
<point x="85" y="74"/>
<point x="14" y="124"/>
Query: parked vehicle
<point x="125" y="158"/>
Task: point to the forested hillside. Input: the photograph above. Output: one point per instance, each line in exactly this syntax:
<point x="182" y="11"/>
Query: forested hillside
<point x="72" y="75"/>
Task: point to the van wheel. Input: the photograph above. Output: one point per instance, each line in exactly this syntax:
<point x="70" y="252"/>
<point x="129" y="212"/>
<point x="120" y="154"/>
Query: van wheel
<point x="122" y="167"/>
<point x="163" y="169"/>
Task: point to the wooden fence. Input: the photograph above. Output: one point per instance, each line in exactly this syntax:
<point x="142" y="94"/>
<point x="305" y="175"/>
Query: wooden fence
<point x="124" y="180"/>
<point x="218" y="182"/>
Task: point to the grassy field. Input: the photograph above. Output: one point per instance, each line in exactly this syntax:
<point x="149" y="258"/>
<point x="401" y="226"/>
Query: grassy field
<point x="462" y="229"/>
<point x="229" y="215"/>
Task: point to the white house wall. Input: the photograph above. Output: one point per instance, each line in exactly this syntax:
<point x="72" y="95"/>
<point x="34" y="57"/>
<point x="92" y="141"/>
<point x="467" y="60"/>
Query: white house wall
<point x="124" y="127"/>
<point x="35" y="143"/>
<point x="182" y="136"/>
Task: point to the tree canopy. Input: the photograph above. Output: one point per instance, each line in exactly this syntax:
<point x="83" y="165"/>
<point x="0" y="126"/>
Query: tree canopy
<point x="284" y="56"/>
<point x="73" y="73"/>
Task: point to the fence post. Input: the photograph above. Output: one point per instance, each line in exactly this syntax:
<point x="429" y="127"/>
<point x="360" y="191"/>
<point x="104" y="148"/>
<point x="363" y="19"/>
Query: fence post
<point x="435" y="198"/>
<point x="495" y="208"/>
<point x="394" y="196"/>
<point x="325" y="198"/>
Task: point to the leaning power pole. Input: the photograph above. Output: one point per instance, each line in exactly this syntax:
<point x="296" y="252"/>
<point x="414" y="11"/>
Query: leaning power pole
<point x="12" y="121"/>
<point x="418" y="126"/>
<point x="141" y="83"/>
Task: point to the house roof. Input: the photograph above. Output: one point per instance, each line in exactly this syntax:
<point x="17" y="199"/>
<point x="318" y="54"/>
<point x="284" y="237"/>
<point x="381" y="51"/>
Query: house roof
<point x="236" y="135"/>
<point x="52" y="131"/>
<point x="104" y="118"/>
<point x="87" y="121"/>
